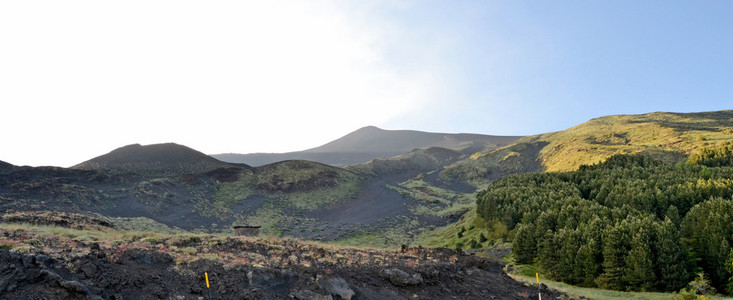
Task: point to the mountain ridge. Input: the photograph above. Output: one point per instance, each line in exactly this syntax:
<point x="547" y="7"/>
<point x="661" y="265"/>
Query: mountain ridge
<point x="667" y="136"/>
<point x="370" y="142"/>
<point x="382" y="202"/>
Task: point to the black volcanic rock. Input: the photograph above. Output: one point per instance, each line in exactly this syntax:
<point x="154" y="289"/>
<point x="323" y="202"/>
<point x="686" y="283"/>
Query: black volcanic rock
<point x="169" y="158"/>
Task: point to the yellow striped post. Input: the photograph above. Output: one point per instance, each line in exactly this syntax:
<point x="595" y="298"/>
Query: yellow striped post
<point x="206" y="274"/>
<point x="539" y="287"/>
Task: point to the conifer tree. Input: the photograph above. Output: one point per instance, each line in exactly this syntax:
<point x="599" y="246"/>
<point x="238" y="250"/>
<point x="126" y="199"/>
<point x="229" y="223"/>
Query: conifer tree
<point x="547" y="253"/>
<point x="482" y="238"/>
<point x="615" y="251"/>
<point x="671" y="264"/>
<point x="639" y="268"/>
<point x="729" y="268"/>
<point x="588" y="262"/>
<point x="525" y="244"/>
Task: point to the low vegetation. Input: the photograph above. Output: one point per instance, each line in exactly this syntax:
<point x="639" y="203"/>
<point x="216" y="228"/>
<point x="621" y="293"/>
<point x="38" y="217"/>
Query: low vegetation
<point x="303" y="185"/>
<point x="434" y="200"/>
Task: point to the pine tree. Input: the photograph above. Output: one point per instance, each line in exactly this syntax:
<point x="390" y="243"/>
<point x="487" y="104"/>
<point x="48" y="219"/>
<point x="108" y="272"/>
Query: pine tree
<point x="671" y="264"/>
<point x="707" y="229"/>
<point x="615" y="250"/>
<point x="639" y="268"/>
<point x="525" y="244"/>
<point x="720" y="274"/>
<point x="569" y="241"/>
<point x="460" y="232"/>
<point x="588" y="262"/>
<point x="729" y="268"/>
<point x="547" y="254"/>
<point x="673" y="214"/>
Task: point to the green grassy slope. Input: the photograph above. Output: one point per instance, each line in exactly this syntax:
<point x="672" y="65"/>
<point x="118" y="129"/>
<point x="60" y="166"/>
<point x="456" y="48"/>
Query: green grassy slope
<point x="413" y="162"/>
<point x="290" y="186"/>
<point x="598" y="139"/>
<point x="666" y="136"/>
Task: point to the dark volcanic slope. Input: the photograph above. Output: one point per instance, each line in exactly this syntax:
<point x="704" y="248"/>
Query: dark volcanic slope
<point x="5" y="166"/>
<point x="371" y="142"/>
<point x="170" y="157"/>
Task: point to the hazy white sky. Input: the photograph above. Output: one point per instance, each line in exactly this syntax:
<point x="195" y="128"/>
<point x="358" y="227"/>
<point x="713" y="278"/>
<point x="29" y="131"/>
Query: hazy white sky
<point x="81" y="78"/>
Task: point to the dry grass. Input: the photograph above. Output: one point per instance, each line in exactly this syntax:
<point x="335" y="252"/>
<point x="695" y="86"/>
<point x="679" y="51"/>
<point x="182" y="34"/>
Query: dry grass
<point x="591" y="293"/>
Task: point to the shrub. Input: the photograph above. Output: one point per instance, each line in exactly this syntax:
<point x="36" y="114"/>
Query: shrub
<point x="153" y="240"/>
<point x="188" y="250"/>
<point x="7" y="244"/>
<point x="685" y="294"/>
<point x="23" y="249"/>
<point x="701" y="285"/>
<point x="85" y="238"/>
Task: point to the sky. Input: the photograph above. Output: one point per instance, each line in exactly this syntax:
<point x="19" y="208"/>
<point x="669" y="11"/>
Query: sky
<point x="81" y="78"/>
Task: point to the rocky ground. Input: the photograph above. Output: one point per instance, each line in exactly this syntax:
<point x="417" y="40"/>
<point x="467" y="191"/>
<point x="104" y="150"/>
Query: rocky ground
<point x="49" y="262"/>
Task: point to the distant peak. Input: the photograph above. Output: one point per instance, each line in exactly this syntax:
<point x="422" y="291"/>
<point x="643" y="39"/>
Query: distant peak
<point x="370" y="128"/>
<point x="130" y="146"/>
<point x="164" y="157"/>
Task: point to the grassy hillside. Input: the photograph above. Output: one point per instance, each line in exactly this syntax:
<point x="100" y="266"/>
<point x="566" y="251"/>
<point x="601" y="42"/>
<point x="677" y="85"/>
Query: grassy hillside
<point x="656" y="133"/>
<point x="666" y="136"/>
<point x="278" y="196"/>
<point x="409" y="164"/>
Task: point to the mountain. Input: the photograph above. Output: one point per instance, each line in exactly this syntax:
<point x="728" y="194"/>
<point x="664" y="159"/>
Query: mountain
<point x="173" y="185"/>
<point x="169" y="157"/>
<point x="385" y="201"/>
<point x="663" y="135"/>
<point x="370" y="142"/>
<point x="5" y="166"/>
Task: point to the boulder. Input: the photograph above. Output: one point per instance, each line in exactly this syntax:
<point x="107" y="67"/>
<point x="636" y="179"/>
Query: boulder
<point x="271" y="279"/>
<point x="75" y="287"/>
<point x="401" y="278"/>
<point x="309" y="295"/>
<point x="338" y="286"/>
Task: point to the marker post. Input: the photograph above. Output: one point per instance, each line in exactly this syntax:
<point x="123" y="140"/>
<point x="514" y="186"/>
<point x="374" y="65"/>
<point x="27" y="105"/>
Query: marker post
<point x="206" y="274"/>
<point x="539" y="287"/>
